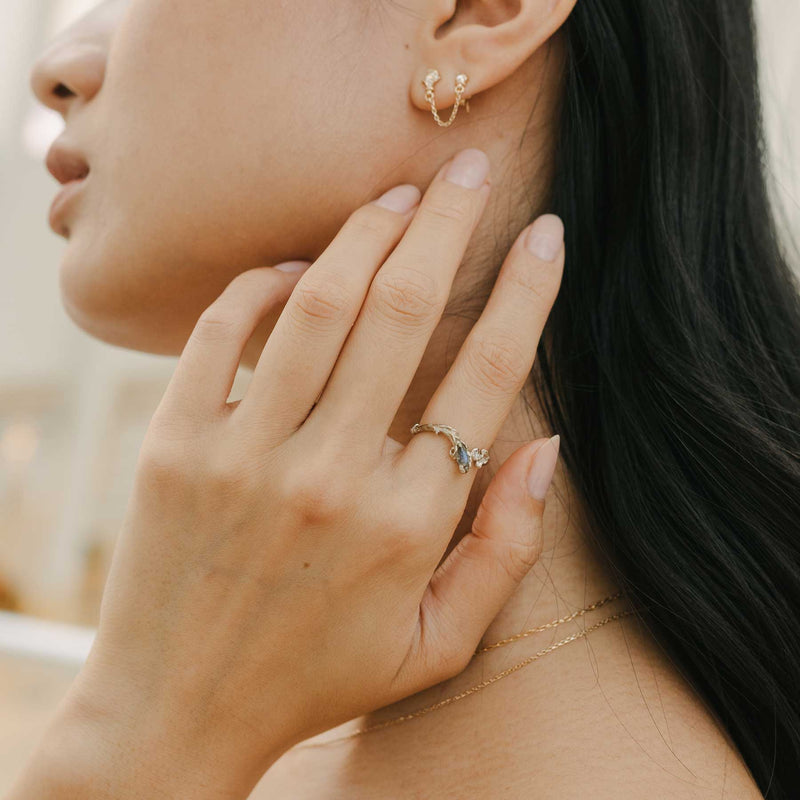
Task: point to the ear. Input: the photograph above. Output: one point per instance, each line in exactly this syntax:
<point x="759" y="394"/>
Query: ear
<point x="488" y="40"/>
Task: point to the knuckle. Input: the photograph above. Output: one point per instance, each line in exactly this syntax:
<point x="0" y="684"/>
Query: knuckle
<point x="319" y="303"/>
<point x="535" y="284"/>
<point x="406" y="295"/>
<point x="458" y="660"/>
<point x="443" y="211"/>
<point x="315" y="495"/>
<point x="369" y="220"/>
<point x="496" y="362"/>
<point x="225" y="475"/>
<point x="162" y="464"/>
<point x="452" y="661"/>
<point x="408" y="534"/>
<point x="518" y="558"/>
<point x="215" y="325"/>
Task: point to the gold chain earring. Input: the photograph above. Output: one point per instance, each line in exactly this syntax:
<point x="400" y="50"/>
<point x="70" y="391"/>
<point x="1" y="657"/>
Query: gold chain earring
<point x="461" y="82"/>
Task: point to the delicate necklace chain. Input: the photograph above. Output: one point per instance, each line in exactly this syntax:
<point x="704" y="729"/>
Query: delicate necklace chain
<point x="554" y="623"/>
<point x="500" y="675"/>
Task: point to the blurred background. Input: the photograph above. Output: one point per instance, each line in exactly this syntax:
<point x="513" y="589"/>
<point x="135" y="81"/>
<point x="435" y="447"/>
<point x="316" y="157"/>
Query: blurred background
<point x="73" y="411"/>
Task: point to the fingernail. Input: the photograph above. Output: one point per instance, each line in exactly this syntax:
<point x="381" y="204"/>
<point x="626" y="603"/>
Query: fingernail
<point x="545" y="237"/>
<point x="400" y="199"/>
<point x="544" y="466"/>
<point x="293" y="266"/>
<point x="470" y="168"/>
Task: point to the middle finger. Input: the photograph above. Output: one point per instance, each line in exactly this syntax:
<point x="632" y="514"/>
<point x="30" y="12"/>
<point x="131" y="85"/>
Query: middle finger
<point x="405" y="302"/>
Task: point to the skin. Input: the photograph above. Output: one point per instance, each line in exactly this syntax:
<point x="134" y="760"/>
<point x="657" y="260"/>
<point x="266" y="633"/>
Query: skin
<point x="222" y="137"/>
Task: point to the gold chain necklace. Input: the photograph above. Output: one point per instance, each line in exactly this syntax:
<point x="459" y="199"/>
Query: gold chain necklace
<point x="500" y="675"/>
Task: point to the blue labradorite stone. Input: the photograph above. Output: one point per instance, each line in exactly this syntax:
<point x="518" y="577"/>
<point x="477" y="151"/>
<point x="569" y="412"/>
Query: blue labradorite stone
<point x="462" y="456"/>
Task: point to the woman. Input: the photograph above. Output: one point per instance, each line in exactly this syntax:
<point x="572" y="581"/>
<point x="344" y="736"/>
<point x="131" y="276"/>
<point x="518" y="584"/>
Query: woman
<point x="249" y="605"/>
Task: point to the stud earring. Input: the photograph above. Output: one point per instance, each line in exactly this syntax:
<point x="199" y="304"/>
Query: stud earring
<point x="461" y="82"/>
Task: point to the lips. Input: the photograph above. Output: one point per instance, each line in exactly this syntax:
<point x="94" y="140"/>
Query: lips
<point x="65" y="163"/>
<point x="60" y="204"/>
<point x="70" y="168"/>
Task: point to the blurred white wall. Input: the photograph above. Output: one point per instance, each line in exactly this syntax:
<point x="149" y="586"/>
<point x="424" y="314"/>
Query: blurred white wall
<point x="73" y="410"/>
<point x="779" y="29"/>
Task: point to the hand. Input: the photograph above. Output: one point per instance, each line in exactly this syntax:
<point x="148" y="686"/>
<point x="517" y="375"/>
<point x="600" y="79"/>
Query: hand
<point x="276" y="574"/>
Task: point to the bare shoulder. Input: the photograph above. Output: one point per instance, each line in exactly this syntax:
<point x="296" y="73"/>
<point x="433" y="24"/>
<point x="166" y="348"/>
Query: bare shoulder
<point x="688" y="759"/>
<point x="609" y="718"/>
<point x="631" y="727"/>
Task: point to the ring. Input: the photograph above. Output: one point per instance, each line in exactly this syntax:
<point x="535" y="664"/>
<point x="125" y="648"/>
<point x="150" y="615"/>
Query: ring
<point x="459" y="452"/>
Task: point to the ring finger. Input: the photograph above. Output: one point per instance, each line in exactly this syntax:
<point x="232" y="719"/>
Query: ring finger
<point x="494" y="361"/>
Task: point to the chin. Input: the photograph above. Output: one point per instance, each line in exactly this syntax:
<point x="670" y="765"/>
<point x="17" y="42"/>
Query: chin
<point x="99" y="303"/>
<point x="126" y="288"/>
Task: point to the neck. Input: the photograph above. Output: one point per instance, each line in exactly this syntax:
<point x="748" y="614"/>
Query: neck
<point x="568" y="575"/>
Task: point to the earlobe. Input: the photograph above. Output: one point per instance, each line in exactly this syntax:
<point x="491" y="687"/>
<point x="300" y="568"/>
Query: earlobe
<point x="436" y="88"/>
<point x="487" y="42"/>
<point x="432" y="77"/>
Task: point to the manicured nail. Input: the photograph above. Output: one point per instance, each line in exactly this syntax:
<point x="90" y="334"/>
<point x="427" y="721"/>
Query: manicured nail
<point x="544" y="466"/>
<point x="400" y="199"/>
<point x="469" y="168"/>
<point x="293" y="266"/>
<point x="545" y="237"/>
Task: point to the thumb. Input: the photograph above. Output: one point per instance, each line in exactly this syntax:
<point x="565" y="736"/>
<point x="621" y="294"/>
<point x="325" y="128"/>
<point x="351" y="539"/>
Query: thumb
<point x="472" y="585"/>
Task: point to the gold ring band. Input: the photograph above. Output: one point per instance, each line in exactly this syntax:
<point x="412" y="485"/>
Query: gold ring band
<point x="459" y="452"/>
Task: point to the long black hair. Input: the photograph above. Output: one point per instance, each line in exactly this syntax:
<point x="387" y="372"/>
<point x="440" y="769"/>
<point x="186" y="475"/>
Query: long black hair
<point x="672" y="366"/>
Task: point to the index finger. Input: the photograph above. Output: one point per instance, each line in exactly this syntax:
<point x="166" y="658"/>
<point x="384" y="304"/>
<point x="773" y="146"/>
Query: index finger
<point x="405" y="303"/>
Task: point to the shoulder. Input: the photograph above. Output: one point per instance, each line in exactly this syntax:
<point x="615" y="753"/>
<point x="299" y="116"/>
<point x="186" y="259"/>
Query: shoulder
<point x="626" y="725"/>
<point x="696" y="768"/>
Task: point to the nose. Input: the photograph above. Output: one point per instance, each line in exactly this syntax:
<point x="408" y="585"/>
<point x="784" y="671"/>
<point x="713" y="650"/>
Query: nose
<point x="70" y="71"/>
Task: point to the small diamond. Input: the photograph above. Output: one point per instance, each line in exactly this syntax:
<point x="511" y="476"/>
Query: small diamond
<point x="431" y="78"/>
<point x="461" y="78"/>
<point x="480" y="457"/>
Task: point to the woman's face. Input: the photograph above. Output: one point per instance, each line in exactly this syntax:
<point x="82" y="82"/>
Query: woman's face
<point x="221" y="136"/>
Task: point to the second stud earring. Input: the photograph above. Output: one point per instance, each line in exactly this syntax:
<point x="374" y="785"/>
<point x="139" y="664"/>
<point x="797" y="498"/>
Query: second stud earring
<point x="460" y="84"/>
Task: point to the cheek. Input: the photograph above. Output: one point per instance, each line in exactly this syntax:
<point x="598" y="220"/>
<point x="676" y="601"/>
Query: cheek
<point x="221" y="145"/>
<point x="216" y="138"/>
